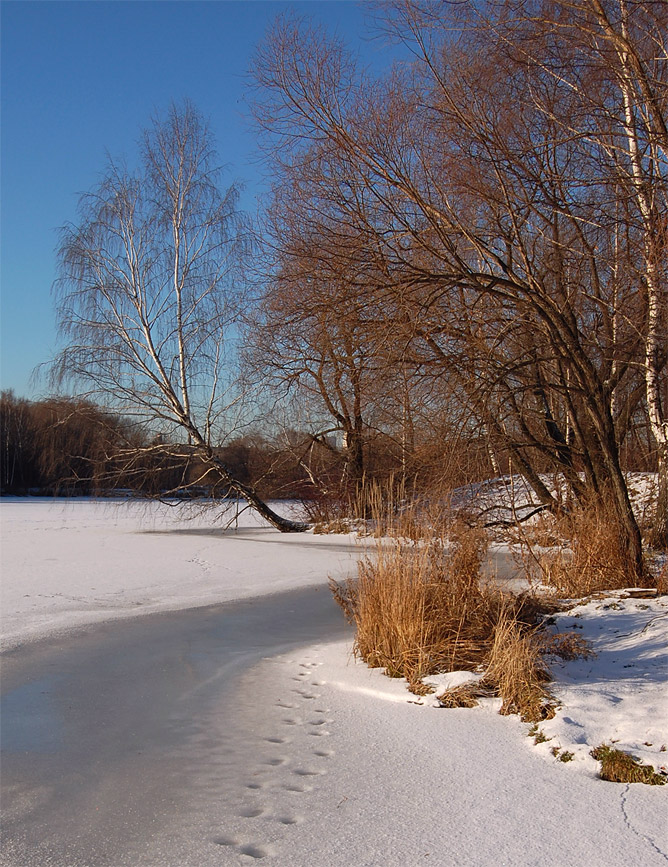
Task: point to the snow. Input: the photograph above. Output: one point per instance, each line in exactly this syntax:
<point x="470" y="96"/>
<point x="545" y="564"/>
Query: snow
<point x="68" y="563"/>
<point x="336" y="764"/>
<point x="619" y="697"/>
<point x="404" y="784"/>
<point x="510" y="497"/>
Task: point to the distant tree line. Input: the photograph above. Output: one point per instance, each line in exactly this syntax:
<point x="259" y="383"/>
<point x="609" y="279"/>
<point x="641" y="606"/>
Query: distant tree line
<point x="68" y="446"/>
<point x="71" y="447"/>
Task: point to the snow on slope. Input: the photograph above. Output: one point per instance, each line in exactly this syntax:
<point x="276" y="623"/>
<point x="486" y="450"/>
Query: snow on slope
<point x="620" y="695"/>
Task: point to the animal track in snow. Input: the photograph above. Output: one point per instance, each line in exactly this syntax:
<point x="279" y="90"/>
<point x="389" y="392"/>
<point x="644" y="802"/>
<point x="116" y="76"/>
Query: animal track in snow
<point x="204" y="565"/>
<point x="289" y="820"/>
<point x="254" y="851"/>
<point x="225" y="841"/>
<point x="297" y="788"/>
<point x="278" y="740"/>
<point x="251" y="812"/>
<point x="308" y="772"/>
<point x="323" y="754"/>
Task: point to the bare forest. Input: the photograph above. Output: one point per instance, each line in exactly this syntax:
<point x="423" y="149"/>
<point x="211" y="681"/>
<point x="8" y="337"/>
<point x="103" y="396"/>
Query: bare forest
<point x="460" y="273"/>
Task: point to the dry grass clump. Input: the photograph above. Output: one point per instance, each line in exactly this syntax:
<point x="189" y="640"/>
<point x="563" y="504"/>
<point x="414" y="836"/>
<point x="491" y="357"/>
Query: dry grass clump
<point x="392" y="510"/>
<point x="516" y="669"/>
<point x="464" y="695"/>
<point x="335" y="525"/>
<point x="566" y="645"/>
<point x="621" y="767"/>
<point x="562" y="755"/>
<point x="592" y="556"/>
<point x="379" y="508"/>
<point x="420" y="609"/>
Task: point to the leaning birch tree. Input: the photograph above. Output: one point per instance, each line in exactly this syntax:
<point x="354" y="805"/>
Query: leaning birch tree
<point x="148" y="294"/>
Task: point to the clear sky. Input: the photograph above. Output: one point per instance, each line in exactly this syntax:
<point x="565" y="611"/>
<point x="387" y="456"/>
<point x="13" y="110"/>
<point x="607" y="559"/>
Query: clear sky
<point x="80" y="80"/>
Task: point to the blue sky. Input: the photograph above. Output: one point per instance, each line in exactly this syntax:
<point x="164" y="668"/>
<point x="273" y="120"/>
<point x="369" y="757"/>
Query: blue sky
<point x="80" y="80"/>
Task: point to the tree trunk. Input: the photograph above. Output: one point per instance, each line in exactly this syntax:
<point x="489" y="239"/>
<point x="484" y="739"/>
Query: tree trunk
<point x="246" y="492"/>
<point x="659" y="533"/>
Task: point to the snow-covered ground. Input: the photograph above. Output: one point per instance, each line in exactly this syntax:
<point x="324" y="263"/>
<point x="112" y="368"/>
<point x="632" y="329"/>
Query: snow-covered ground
<point x="507" y="498"/>
<point x="339" y="765"/>
<point x="68" y="563"/>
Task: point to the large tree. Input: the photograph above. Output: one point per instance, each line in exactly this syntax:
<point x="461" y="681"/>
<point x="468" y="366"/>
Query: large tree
<point x="509" y="242"/>
<point x="149" y="293"/>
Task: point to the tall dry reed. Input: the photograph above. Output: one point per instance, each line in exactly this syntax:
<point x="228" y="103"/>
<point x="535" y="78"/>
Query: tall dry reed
<point x="591" y="555"/>
<point x="421" y="608"/>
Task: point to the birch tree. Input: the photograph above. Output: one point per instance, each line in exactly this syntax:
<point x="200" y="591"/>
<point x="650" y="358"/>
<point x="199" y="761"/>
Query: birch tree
<point x="150" y="290"/>
<point x="629" y="41"/>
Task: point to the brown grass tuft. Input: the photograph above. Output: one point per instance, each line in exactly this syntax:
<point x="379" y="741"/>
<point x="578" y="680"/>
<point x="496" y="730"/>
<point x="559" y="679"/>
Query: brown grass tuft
<point x="333" y="526"/>
<point x="420" y="688"/>
<point x="515" y="668"/>
<point x="592" y="556"/>
<point x="620" y="767"/>
<point x="419" y="608"/>
<point x="464" y="695"/>
<point x="422" y="608"/>
<point x="566" y="645"/>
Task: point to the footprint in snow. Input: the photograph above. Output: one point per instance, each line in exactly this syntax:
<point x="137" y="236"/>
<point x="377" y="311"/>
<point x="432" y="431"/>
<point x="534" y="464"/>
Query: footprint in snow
<point x="290" y="820"/>
<point x="255" y="851"/>
<point x="297" y="788"/>
<point x="251" y="812"/>
<point x="225" y="841"/>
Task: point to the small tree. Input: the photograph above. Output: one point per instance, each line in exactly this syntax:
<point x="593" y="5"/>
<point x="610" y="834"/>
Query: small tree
<point x="148" y="292"/>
